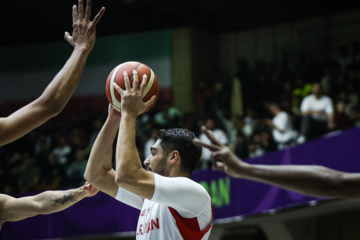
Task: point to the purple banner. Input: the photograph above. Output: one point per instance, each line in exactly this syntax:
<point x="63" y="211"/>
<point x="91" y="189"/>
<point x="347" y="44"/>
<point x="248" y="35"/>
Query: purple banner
<point x="231" y="197"/>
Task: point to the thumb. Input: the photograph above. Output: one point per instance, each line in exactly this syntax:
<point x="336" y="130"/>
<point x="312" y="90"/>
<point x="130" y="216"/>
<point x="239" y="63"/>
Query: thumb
<point x="216" y="155"/>
<point x="151" y="101"/>
<point x="68" y="38"/>
<point x="86" y="187"/>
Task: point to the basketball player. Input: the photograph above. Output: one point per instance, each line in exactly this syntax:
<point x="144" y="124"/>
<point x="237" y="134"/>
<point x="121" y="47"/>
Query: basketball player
<point x="60" y="89"/>
<point x="309" y="180"/>
<point x="49" y="104"/>
<point x="172" y="205"/>
<point x="16" y="209"/>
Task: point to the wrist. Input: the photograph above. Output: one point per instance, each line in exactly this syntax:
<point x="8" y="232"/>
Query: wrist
<point x="243" y="169"/>
<point x="81" y="193"/>
<point x="129" y="116"/>
<point x="113" y="120"/>
<point x="82" y="50"/>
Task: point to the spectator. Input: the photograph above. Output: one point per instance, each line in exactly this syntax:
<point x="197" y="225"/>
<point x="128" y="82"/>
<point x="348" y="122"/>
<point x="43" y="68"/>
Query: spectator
<point x="219" y="134"/>
<point x="249" y="122"/>
<point x="77" y="139"/>
<point x="355" y="115"/>
<point x="43" y="141"/>
<point x="53" y="173"/>
<point x="192" y="123"/>
<point x="341" y="120"/>
<point x="29" y="175"/>
<point x="169" y="117"/>
<point x="255" y="147"/>
<point x="353" y="96"/>
<point x="235" y="129"/>
<point x="75" y="171"/>
<point x="317" y="115"/>
<point x="95" y="129"/>
<point x="241" y="147"/>
<point x="267" y="141"/>
<point x="282" y="128"/>
<point x="42" y="153"/>
<point x="62" y="151"/>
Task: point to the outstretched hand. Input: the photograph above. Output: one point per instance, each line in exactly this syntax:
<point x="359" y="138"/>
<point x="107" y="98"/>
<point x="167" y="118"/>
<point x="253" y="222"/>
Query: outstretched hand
<point x="84" y="30"/>
<point x="222" y="157"/>
<point x="89" y="189"/>
<point x="132" y="97"/>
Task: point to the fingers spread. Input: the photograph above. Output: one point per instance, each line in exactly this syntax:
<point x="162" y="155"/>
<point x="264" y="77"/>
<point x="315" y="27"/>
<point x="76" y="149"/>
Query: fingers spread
<point x="75" y="14"/>
<point x="143" y="83"/>
<point x="127" y="81"/>
<point x="117" y="88"/>
<point x="81" y="9"/>
<point x="210" y="136"/>
<point x="135" y="84"/>
<point x="211" y="147"/>
<point x="88" y="10"/>
<point x="99" y="15"/>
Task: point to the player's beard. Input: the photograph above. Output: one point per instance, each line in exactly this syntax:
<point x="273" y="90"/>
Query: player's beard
<point x="160" y="168"/>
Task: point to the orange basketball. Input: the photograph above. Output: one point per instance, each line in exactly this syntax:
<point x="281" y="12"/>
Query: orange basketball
<point x="116" y="75"/>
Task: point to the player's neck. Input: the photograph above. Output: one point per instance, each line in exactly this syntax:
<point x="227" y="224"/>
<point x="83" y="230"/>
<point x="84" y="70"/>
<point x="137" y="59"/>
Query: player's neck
<point x="175" y="172"/>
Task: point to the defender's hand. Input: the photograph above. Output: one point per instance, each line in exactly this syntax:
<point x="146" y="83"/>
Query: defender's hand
<point x="84" y="30"/>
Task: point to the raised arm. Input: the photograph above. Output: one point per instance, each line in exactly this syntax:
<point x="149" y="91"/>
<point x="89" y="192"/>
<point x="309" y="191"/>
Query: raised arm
<point x="99" y="171"/>
<point x="59" y="91"/>
<point x="129" y="172"/>
<point x="309" y="180"/>
<point x="15" y="209"/>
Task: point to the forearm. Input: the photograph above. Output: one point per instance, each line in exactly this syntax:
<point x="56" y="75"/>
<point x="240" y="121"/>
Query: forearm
<point x="49" y="104"/>
<point x="55" y="201"/>
<point x="59" y="91"/>
<point x="100" y="160"/>
<point x="15" y="209"/>
<point x="306" y="113"/>
<point x="127" y="157"/>
<point x="308" y="180"/>
<point x="273" y="126"/>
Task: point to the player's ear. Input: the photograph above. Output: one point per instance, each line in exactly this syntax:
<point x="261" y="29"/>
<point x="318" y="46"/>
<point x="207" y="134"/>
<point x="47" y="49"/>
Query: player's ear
<point x="174" y="157"/>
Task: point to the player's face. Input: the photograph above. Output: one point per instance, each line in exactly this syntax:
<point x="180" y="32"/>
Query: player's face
<point x="156" y="161"/>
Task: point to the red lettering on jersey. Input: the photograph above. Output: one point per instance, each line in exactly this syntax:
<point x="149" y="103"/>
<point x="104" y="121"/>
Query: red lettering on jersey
<point x="143" y="229"/>
<point x="148" y="228"/>
<point x="140" y="229"/>
<point x="143" y="213"/>
<point x="156" y="224"/>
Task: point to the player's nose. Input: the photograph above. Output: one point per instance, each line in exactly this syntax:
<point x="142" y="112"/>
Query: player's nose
<point x="147" y="161"/>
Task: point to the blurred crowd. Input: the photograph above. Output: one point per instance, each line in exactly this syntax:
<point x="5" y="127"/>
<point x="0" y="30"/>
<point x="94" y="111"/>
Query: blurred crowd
<point x="284" y="104"/>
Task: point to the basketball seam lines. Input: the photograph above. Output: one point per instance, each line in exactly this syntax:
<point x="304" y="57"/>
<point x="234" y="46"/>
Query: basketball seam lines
<point x="114" y="99"/>
<point x="149" y="84"/>
<point x="135" y="69"/>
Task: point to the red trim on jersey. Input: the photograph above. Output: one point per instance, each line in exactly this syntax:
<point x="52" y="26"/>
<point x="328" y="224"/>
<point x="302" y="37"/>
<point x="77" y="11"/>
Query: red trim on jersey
<point x="189" y="227"/>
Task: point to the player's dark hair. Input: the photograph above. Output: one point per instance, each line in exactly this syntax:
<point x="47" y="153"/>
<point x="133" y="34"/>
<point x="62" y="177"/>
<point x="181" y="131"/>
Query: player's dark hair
<point x="180" y="139"/>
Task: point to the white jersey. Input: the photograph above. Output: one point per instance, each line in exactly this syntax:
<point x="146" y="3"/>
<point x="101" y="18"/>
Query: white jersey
<point x="282" y="121"/>
<point x="324" y="104"/>
<point x="179" y="209"/>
